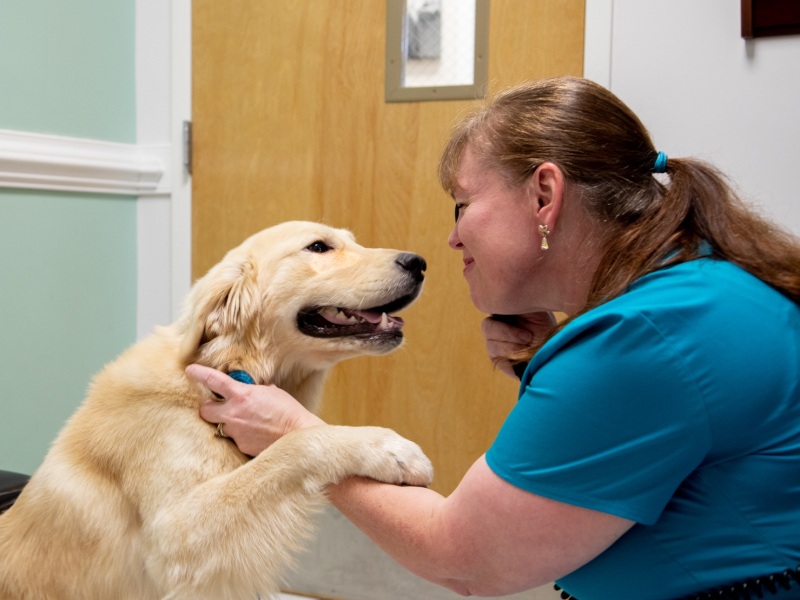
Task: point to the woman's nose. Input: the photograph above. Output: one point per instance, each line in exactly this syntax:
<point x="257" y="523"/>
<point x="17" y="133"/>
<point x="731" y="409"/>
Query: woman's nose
<point x="452" y="240"/>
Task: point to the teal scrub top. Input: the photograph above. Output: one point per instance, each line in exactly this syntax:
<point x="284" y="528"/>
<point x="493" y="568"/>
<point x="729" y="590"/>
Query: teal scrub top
<point x="675" y="405"/>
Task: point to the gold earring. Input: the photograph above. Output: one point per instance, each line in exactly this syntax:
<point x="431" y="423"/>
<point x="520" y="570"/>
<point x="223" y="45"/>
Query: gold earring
<point x="544" y="231"/>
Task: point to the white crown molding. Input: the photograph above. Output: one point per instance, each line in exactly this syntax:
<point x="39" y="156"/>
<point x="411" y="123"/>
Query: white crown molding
<point x="49" y="162"/>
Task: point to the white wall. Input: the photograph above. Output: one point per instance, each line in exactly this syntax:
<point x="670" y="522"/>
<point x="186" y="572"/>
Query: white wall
<point x="702" y="90"/>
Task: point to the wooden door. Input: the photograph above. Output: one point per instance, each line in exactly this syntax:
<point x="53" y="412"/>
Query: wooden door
<point x="290" y="123"/>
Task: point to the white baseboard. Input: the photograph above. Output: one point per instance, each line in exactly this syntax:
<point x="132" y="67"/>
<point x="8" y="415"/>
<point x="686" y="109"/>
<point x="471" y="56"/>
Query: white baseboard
<point x="50" y="162"/>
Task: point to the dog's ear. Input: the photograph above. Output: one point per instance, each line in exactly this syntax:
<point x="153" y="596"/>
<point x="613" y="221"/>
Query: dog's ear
<point x="224" y="302"/>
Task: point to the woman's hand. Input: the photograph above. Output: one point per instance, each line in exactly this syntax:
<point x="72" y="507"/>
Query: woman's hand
<point x="254" y="416"/>
<point x="507" y="334"/>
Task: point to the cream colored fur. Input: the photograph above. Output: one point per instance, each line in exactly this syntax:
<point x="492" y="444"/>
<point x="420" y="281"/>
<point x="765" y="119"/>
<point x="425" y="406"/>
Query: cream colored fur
<point x="137" y="498"/>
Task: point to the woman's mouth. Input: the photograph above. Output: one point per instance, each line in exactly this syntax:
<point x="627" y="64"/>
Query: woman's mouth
<point x="468" y="262"/>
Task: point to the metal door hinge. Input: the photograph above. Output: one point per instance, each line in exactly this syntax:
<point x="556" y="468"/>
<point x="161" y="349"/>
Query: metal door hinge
<point x="187" y="147"/>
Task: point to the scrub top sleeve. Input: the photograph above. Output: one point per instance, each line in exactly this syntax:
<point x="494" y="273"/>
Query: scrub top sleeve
<point x="609" y="419"/>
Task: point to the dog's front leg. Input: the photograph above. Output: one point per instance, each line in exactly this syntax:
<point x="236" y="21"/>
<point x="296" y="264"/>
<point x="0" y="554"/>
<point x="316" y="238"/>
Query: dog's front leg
<point x="234" y="535"/>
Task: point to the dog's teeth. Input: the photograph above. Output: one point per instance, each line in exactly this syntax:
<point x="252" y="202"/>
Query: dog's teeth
<point x="384" y="321"/>
<point x="341" y="317"/>
<point x="330" y="313"/>
<point x="338" y="317"/>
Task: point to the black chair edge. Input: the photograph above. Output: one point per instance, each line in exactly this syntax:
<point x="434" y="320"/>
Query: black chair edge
<point x="11" y="485"/>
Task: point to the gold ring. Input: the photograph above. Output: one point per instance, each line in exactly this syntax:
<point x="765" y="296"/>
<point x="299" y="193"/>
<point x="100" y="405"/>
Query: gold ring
<point x="220" y="433"/>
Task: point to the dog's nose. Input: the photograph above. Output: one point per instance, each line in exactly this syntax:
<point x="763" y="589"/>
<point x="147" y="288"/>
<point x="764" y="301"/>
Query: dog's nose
<point x="413" y="263"/>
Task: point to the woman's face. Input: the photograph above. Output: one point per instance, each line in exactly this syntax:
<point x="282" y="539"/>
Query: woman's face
<point x="496" y="232"/>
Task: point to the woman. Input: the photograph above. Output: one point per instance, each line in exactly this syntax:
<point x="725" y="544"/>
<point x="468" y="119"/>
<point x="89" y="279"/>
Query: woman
<point x="655" y="448"/>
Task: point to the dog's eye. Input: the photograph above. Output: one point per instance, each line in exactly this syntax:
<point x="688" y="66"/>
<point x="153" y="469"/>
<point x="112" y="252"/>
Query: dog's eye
<point x="319" y="247"/>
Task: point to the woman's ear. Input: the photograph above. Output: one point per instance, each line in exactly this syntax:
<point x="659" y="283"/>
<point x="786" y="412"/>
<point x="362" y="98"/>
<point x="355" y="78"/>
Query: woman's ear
<point x="547" y="192"/>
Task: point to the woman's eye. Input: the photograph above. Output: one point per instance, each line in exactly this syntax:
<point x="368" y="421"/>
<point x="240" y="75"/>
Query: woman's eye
<point x="319" y="247"/>
<point x="459" y="207"/>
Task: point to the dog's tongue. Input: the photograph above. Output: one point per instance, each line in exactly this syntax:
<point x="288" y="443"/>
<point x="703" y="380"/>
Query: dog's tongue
<point x="382" y="320"/>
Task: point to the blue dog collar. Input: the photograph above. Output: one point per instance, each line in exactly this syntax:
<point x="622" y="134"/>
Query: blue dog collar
<point x="242" y="376"/>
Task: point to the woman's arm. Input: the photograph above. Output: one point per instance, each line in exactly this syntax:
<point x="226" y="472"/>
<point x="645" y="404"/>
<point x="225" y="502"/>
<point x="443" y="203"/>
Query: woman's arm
<point x="487" y="538"/>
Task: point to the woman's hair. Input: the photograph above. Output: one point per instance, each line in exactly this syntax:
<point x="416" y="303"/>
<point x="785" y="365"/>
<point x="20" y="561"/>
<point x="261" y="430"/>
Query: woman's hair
<point x="602" y="147"/>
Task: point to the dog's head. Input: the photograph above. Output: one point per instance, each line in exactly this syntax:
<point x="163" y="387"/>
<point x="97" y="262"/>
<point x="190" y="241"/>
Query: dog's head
<point x="298" y="296"/>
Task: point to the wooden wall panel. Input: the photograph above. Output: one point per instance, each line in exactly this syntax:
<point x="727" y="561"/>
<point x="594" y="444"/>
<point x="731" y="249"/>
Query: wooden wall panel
<point x="290" y="123"/>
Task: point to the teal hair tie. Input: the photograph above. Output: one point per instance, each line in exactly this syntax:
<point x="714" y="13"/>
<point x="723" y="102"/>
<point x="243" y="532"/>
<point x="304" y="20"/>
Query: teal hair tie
<point x="660" y="166"/>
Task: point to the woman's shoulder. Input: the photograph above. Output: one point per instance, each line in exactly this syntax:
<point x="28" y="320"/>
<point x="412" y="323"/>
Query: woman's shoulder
<point x="700" y="289"/>
<point x="701" y="303"/>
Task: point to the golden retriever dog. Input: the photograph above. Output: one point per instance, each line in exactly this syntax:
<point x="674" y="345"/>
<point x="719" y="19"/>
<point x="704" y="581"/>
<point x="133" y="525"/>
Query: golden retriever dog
<point x="138" y="498"/>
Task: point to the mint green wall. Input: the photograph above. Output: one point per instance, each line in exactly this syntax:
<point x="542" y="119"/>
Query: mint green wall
<point x="67" y="67"/>
<point x="67" y="261"/>
<point x="68" y="299"/>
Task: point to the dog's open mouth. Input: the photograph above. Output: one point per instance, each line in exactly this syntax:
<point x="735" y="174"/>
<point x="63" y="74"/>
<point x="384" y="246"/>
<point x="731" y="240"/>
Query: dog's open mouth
<point x="330" y="321"/>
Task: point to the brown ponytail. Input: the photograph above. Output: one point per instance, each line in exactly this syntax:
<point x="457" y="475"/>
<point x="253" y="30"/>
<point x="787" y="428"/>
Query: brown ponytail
<point x="601" y="146"/>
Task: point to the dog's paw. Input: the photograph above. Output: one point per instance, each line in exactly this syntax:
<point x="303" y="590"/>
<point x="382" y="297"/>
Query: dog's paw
<point x="391" y="458"/>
